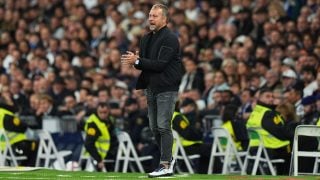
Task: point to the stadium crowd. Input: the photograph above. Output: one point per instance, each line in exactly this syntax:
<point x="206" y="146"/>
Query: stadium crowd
<point x="62" y="58"/>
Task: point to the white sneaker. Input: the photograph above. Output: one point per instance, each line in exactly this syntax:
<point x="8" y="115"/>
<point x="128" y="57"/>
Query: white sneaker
<point x="172" y="163"/>
<point x="161" y="171"/>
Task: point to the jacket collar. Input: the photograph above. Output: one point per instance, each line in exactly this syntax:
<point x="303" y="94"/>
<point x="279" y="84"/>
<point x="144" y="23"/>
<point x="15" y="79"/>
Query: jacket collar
<point x="158" y="32"/>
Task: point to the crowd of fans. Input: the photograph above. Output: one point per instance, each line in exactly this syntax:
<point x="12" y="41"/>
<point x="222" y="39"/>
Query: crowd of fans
<point x="63" y="57"/>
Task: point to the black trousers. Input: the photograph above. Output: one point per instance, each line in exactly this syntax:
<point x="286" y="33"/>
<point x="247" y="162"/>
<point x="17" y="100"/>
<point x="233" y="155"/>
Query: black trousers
<point x="281" y="153"/>
<point x="26" y="148"/>
<point x="204" y="150"/>
<point x="306" y="164"/>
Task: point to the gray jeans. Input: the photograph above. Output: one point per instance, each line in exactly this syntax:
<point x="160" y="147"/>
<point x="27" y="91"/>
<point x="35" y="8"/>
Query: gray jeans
<point x="160" y="111"/>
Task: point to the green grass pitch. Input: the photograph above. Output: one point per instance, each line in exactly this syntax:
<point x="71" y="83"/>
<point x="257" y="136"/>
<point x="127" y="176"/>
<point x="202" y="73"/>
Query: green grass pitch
<point x="48" y="174"/>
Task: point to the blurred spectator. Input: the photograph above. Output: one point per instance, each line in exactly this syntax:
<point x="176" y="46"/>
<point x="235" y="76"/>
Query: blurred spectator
<point x="294" y="95"/>
<point x="135" y="120"/>
<point x="243" y="71"/>
<point x="278" y="96"/>
<point x="289" y="78"/>
<point x="47" y="107"/>
<point x="220" y="82"/>
<point x="229" y="66"/>
<point x="288" y="112"/>
<point x="309" y="76"/>
<point x="273" y="80"/>
<point x="70" y="107"/>
<point x="310" y="111"/>
<point x="247" y="96"/>
<point x="116" y="112"/>
<point x="193" y="77"/>
<point x="118" y="91"/>
<point x="58" y="92"/>
<point x="19" y="99"/>
<point x="256" y="81"/>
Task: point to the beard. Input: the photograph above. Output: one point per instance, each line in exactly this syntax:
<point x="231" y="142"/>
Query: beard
<point x="152" y="27"/>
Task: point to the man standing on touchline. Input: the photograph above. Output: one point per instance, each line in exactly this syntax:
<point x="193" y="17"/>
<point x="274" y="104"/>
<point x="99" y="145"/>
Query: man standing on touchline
<point x="160" y="63"/>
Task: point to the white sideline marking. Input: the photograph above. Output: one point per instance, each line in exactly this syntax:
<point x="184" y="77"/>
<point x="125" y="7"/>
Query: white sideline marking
<point x="64" y="175"/>
<point x="17" y="169"/>
<point x="88" y="176"/>
<point x="113" y="176"/>
<point x="182" y="175"/>
<point x="166" y="177"/>
<point x="175" y="176"/>
<point x="26" y="178"/>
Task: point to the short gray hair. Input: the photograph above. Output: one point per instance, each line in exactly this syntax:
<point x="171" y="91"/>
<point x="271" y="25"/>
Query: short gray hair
<point x="165" y="11"/>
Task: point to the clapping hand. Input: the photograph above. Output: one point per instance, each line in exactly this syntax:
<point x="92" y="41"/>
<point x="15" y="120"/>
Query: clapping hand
<point x="129" y="58"/>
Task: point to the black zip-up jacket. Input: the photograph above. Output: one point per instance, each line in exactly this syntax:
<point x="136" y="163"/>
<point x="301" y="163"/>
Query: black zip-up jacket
<point x="280" y="131"/>
<point x="160" y="62"/>
<point x="91" y="139"/>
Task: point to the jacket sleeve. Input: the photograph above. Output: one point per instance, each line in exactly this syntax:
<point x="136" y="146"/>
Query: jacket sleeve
<point x="13" y="123"/>
<point x="92" y="135"/>
<point x="113" y="141"/>
<point x="275" y="127"/>
<point x="168" y="51"/>
<point x="185" y="130"/>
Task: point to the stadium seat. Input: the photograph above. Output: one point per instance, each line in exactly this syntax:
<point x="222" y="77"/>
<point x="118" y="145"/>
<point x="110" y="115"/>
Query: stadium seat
<point x="316" y="164"/>
<point x="47" y="151"/>
<point x="224" y="147"/>
<point x="7" y="157"/>
<point x="127" y="153"/>
<point x="310" y="131"/>
<point x="180" y="154"/>
<point x="260" y="157"/>
<point x="210" y="121"/>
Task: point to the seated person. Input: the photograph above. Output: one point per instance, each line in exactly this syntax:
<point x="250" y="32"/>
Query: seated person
<point x="275" y="133"/>
<point x="236" y="126"/>
<point x="16" y="131"/>
<point x="101" y="141"/>
<point x="191" y="139"/>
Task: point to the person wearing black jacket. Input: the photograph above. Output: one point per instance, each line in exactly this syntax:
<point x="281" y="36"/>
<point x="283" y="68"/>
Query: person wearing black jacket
<point x="160" y="63"/>
<point x="101" y="141"/>
<point x="191" y="137"/>
<point x="276" y="135"/>
<point x="16" y="131"/>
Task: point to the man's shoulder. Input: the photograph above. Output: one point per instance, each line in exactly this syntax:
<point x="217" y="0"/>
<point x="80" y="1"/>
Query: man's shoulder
<point x="270" y="114"/>
<point x="168" y="32"/>
<point x="92" y="124"/>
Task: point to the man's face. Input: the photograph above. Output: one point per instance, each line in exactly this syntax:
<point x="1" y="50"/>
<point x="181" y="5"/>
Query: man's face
<point x="307" y="109"/>
<point x="287" y="81"/>
<point x="103" y="112"/>
<point x="156" y="19"/>
<point x="267" y="98"/>
<point x="307" y="77"/>
<point x="245" y="96"/>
